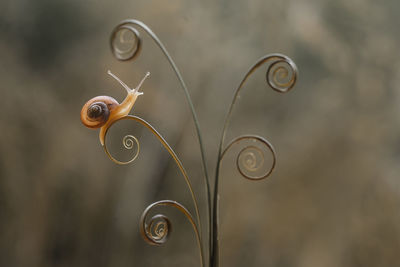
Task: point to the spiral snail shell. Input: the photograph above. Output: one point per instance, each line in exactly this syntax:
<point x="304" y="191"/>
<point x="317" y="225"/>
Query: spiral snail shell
<point x="101" y="111"/>
<point x="96" y="112"/>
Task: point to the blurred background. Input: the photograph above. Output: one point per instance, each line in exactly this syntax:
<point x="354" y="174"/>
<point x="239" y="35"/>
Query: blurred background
<point x="334" y="198"/>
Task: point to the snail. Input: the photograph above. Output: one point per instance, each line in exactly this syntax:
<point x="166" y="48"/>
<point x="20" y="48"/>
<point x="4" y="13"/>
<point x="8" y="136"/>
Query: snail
<point x="102" y="111"/>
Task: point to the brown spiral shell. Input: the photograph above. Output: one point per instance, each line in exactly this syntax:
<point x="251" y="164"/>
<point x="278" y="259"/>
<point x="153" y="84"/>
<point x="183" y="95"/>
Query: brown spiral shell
<point x="97" y="110"/>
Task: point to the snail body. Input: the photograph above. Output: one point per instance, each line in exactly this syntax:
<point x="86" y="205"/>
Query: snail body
<point x="102" y="111"/>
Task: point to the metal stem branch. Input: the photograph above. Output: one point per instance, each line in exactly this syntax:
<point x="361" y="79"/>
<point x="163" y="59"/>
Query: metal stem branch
<point x="126" y="24"/>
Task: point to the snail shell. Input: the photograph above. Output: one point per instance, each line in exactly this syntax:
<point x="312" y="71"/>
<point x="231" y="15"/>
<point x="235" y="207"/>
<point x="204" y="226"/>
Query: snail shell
<point x="96" y="111"/>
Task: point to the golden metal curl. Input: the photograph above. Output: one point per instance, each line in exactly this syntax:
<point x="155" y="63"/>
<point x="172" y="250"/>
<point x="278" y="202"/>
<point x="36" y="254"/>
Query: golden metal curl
<point x="281" y="75"/>
<point x="248" y="162"/>
<point x="128" y="142"/>
<point x="251" y="157"/>
<point x="133" y="46"/>
<point x="156" y="230"/>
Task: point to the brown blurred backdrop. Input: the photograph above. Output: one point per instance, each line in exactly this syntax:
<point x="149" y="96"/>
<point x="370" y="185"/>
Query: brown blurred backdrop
<point x="334" y="199"/>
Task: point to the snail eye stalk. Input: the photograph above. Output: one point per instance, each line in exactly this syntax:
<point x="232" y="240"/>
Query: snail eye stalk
<point x="127" y="88"/>
<point x="141" y="82"/>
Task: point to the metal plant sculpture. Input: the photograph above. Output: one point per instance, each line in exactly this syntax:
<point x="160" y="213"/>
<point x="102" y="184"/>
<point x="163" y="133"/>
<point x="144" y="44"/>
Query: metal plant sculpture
<point x="104" y="111"/>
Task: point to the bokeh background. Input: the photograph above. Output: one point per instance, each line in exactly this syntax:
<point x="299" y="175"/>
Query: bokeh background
<point x="334" y="198"/>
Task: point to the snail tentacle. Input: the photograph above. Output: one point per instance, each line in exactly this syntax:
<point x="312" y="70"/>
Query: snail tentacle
<point x="127" y="88"/>
<point x="141" y="83"/>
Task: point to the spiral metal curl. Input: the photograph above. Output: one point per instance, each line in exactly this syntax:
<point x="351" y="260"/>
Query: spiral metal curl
<point x="281" y="75"/>
<point x="129" y="142"/>
<point x="133" y="46"/>
<point x="157" y="230"/>
<point x="251" y="158"/>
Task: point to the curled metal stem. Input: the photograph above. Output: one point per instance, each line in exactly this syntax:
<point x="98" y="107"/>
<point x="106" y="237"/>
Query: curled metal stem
<point x="251" y="157"/>
<point x="128" y="145"/>
<point x="134" y="52"/>
<point x="156" y="230"/>
<point x="281" y="76"/>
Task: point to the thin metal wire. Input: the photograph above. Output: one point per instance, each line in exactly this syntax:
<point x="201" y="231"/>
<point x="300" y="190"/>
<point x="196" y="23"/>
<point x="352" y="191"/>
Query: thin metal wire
<point x="273" y="71"/>
<point x="166" y="146"/>
<point x="128" y="142"/>
<point x="157" y="230"/>
<point x="126" y="24"/>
